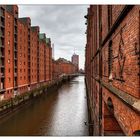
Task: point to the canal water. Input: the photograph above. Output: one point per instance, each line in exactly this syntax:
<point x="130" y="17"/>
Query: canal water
<point x="61" y="112"/>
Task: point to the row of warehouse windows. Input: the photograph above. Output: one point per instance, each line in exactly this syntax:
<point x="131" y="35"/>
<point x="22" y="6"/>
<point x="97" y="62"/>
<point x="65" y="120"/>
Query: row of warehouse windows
<point x="20" y="62"/>
<point x="20" y="70"/>
<point x="21" y="55"/>
<point x="9" y="79"/>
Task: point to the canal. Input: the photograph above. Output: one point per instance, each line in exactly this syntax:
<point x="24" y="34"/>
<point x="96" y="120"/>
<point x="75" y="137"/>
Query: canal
<point x="61" y="112"/>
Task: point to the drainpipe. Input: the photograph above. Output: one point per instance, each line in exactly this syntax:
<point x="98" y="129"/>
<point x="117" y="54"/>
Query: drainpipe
<point x="100" y="72"/>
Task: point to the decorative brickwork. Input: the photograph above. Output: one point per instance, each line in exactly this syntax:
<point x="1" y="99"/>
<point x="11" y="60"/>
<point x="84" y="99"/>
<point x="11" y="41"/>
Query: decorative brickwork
<point x="112" y="69"/>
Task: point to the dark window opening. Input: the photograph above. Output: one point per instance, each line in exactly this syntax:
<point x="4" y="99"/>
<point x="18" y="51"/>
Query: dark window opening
<point x="110" y="105"/>
<point x="136" y="133"/>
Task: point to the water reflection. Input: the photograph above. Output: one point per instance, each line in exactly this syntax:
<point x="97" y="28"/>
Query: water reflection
<point x="59" y="113"/>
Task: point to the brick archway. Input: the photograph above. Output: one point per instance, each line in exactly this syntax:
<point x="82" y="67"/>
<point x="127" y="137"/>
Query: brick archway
<point x="110" y="105"/>
<point x="111" y="126"/>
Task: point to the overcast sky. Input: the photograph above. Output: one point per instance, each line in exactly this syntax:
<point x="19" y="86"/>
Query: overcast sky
<point x="64" y="24"/>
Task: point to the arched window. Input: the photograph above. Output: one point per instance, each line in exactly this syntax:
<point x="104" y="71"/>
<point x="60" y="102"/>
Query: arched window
<point x="110" y="105"/>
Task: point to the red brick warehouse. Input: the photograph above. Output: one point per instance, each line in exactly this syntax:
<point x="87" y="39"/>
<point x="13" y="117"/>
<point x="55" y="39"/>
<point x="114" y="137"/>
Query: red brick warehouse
<point x="21" y="54"/>
<point x="8" y="54"/>
<point x="45" y="44"/>
<point x="113" y="69"/>
<point x="61" y="67"/>
<point x="34" y="45"/>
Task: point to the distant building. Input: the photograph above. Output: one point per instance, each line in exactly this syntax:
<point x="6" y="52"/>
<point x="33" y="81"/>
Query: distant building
<point x="75" y="60"/>
<point x="81" y="71"/>
<point x="62" y="66"/>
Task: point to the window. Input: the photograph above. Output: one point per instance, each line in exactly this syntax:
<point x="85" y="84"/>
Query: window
<point x="20" y="70"/>
<point x="20" y="78"/>
<point x="9" y="70"/>
<point x="24" y="77"/>
<point x="8" y="42"/>
<point x="9" y="79"/>
<point x="9" y="52"/>
<point x="136" y="133"/>
<point x="8" y="16"/>
<point x="24" y="63"/>
<point x="20" y="62"/>
<point x="8" y="24"/>
<point x="8" y="33"/>
<point x="8" y="61"/>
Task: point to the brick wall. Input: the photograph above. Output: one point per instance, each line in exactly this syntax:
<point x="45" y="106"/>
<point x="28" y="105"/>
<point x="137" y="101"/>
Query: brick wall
<point x="50" y="62"/>
<point x="41" y="61"/>
<point x="33" y="56"/>
<point x="115" y="68"/>
<point x="9" y="58"/>
<point x="47" y="63"/>
<point x="19" y="45"/>
<point x="22" y="57"/>
<point x="60" y="67"/>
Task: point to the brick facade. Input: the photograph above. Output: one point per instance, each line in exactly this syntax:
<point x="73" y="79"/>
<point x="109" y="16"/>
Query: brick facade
<point x="55" y="69"/>
<point x="24" y="63"/>
<point x="2" y="50"/>
<point x="47" y="63"/>
<point x="47" y="53"/>
<point x="50" y="58"/>
<point x="61" y="67"/>
<point x="34" y="44"/>
<point x="9" y="58"/>
<point x="22" y="57"/>
<point x="112" y="69"/>
<point x="41" y="61"/>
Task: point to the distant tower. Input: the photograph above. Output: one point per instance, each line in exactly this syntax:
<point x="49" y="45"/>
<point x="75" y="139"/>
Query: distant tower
<point x="53" y="51"/>
<point x="75" y="60"/>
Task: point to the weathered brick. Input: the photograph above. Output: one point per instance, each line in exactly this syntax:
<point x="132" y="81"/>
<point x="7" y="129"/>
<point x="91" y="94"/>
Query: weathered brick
<point x="119" y="67"/>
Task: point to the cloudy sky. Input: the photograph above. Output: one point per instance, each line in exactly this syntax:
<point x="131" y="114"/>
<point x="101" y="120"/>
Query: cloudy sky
<point x="64" y="24"/>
